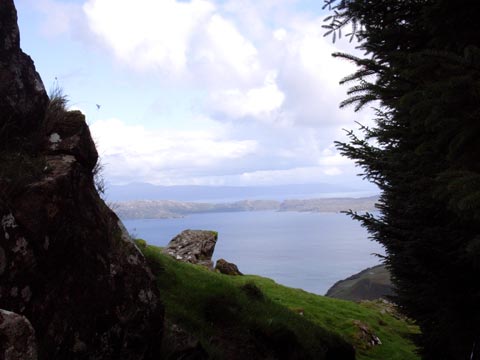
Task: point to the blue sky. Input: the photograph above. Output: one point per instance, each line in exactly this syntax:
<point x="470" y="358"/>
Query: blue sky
<point x="232" y="92"/>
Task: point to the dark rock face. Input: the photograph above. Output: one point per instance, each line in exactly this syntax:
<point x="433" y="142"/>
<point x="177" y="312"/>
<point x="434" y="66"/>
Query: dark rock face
<point x="71" y="136"/>
<point x="193" y="246"/>
<point x="17" y="337"/>
<point x="66" y="262"/>
<point x="227" y="268"/>
<point x="179" y="344"/>
<point x="23" y="98"/>
<point x="73" y="272"/>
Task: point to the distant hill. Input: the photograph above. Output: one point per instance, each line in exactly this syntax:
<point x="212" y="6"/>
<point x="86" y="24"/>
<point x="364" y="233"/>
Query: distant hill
<point x="330" y="204"/>
<point x="145" y="191"/>
<point x="161" y="209"/>
<point x="369" y="284"/>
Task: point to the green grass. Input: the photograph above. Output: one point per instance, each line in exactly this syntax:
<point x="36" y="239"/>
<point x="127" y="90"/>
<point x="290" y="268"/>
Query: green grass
<point x="339" y="316"/>
<point x="255" y="310"/>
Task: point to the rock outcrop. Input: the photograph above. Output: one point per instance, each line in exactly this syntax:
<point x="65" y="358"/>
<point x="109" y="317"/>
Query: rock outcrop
<point x="227" y="268"/>
<point x="193" y="246"/>
<point x="66" y="262"/>
<point x="17" y="337"/>
<point x="23" y="98"/>
<point x="366" y="335"/>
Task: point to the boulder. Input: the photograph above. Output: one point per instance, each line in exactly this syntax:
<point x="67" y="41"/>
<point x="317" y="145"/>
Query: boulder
<point x="193" y="246"/>
<point x="227" y="268"/>
<point x="66" y="262"/>
<point x="23" y="98"/>
<point x="17" y="337"/>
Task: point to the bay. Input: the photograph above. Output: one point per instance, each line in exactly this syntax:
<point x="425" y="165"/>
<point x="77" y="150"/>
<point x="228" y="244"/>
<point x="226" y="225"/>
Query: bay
<point x="310" y="251"/>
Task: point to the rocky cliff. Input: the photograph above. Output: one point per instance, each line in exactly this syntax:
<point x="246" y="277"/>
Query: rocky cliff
<point x="23" y="99"/>
<point x="66" y="263"/>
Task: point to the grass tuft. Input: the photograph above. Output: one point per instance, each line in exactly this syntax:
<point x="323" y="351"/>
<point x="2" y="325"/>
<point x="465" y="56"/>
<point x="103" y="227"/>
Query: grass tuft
<point x="57" y="107"/>
<point x="253" y="291"/>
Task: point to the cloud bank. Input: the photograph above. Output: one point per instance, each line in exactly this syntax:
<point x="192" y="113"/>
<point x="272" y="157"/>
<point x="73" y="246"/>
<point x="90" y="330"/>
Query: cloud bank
<point x="262" y="74"/>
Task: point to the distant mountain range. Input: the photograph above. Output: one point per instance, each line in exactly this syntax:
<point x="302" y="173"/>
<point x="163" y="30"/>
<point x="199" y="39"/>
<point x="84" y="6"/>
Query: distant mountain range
<point x="160" y="209"/>
<point x="145" y="191"/>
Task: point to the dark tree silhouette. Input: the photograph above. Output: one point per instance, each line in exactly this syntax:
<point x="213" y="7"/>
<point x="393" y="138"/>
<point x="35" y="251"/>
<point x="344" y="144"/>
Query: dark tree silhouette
<point x="421" y="70"/>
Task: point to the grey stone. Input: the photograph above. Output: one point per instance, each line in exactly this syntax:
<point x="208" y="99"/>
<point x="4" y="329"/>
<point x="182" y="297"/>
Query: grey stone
<point x="227" y="268"/>
<point x="193" y="246"/>
<point x="17" y="337"/>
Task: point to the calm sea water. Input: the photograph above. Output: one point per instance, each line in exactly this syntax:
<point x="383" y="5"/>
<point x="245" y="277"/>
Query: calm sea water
<point x="310" y="251"/>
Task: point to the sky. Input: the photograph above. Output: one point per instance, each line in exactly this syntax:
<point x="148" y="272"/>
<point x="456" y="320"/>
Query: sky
<point x="200" y="92"/>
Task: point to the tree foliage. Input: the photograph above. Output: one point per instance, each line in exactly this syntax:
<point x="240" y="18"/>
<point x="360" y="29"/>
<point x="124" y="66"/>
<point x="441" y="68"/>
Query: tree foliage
<point x="421" y="69"/>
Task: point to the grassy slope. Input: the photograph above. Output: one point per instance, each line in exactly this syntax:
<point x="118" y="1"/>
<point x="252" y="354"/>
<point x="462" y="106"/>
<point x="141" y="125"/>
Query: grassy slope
<point x="371" y="283"/>
<point x="191" y="292"/>
<point x="339" y="316"/>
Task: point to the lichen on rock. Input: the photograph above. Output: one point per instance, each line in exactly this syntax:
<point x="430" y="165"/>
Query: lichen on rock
<point x="193" y="246"/>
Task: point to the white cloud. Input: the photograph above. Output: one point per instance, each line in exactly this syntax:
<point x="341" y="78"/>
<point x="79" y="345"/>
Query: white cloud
<point x="262" y="61"/>
<point x="295" y="175"/>
<point x="260" y="102"/>
<point x="209" y="157"/>
<point x="226" y="45"/>
<point x="279" y="73"/>
<point x="60" y="17"/>
<point x="309" y="75"/>
<point x="172" y="36"/>
<point x="148" y="33"/>
<point x="333" y="171"/>
<point x="138" y="154"/>
<point x="280" y="34"/>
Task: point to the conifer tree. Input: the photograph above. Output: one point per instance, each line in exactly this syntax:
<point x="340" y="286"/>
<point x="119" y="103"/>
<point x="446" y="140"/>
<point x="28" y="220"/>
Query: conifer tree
<point x="421" y="72"/>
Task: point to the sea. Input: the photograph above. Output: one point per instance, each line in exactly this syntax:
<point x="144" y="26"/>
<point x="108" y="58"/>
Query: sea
<point x="310" y="251"/>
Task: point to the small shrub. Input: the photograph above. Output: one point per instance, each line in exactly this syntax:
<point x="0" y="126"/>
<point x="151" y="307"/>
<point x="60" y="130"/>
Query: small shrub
<point x="222" y="309"/>
<point x="282" y="340"/>
<point x="57" y="106"/>
<point x="155" y="265"/>
<point x="142" y="244"/>
<point x="98" y="178"/>
<point x="253" y="291"/>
